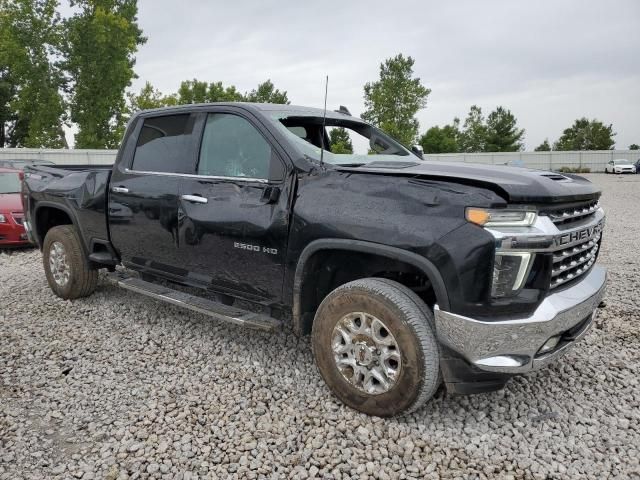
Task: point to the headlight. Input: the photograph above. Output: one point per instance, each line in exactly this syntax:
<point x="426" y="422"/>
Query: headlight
<point x="500" y="218"/>
<point x="3" y="219"/>
<point x="509" y="273"/>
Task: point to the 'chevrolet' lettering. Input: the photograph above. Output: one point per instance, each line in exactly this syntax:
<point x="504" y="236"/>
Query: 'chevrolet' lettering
<point x="584" y="234"/>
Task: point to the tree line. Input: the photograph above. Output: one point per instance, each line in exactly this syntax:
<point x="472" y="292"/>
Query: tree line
<point x="58" y="71"/>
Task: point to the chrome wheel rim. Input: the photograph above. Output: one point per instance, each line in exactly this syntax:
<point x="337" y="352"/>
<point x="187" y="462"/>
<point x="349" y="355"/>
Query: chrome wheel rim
<point x="58" y="264"/>
<point x="366" y="353"/>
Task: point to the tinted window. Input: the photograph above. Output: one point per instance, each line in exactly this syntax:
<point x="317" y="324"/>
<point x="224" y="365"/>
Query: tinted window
<point x="232" y="147"/>
<point x="164" y="145"/>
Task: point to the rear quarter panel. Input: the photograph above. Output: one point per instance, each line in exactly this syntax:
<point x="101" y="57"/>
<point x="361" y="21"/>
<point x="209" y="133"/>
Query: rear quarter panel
<point x="82" y="194"/>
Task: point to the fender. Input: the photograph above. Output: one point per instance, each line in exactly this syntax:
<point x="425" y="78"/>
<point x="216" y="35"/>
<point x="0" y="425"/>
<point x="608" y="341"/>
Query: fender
<point x="63" y="208"/>
<point x="421" y="263"/>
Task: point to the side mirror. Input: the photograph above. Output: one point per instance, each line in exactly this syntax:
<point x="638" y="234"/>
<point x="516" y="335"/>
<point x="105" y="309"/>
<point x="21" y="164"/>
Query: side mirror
<point x="417" y="149"/>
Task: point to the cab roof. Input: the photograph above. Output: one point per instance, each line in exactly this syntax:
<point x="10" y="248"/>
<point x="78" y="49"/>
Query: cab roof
<point x="268" y="109"/>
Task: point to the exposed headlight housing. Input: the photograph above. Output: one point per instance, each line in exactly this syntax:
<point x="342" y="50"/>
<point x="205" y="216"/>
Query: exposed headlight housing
<point x="510" y="271"/>
<point x="500" y="217"/>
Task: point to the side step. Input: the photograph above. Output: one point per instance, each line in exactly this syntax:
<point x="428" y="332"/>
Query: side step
<point x="213" y="309"/>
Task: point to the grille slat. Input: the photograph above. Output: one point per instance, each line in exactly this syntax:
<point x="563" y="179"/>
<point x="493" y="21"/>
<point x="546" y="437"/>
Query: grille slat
<point x="570" y="263"/>
<point x="574" y="261"/>
<point x="562" y="216"/>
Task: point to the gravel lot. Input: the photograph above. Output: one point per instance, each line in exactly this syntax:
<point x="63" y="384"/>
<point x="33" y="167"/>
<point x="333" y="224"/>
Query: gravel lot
<point x="119" y="386"/>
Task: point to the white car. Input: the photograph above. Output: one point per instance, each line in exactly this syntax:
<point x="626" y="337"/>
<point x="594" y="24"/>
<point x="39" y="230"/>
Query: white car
<point x="621" y="165"/>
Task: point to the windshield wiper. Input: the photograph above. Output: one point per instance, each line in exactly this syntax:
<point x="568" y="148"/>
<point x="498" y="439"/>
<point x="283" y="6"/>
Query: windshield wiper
<point x="349" y="164"/>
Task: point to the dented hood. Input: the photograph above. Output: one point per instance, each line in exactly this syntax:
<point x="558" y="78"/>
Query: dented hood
<point x="515" y="184"/>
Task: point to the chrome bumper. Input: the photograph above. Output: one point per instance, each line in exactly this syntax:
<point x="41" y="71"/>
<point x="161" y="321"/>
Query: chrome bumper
<point x="512" y="346"/>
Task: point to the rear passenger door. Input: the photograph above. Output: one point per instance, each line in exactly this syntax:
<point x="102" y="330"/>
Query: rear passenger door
<point x="143" y="197"/>
<point x="234" y="210"/>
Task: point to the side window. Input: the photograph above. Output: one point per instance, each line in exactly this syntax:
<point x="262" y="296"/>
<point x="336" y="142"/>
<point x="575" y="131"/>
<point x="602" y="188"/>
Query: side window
<point x="232" y="147"/>
<point x="164" y="145"/>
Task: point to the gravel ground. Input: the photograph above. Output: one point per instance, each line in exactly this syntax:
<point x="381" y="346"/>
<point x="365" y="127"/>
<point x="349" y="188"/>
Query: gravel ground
<point x="119" y="386"/>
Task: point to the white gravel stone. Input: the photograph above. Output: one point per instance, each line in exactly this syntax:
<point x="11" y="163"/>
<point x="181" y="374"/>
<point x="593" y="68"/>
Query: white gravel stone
<point x="152" y="391"/>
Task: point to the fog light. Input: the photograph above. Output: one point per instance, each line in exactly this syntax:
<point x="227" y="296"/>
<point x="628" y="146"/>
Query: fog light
<point x="550" y="344"/>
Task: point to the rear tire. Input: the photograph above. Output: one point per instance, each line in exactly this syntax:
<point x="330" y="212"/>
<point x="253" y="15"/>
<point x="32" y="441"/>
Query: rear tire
<point x="68" y="270"/>
<point x="375" y="346"/>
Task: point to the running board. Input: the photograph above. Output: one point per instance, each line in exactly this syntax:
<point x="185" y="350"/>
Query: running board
<point x="213" y="309"/>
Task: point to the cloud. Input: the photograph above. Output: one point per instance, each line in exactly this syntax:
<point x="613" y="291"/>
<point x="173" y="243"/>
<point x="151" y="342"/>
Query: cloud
<point x="549" y="62"/>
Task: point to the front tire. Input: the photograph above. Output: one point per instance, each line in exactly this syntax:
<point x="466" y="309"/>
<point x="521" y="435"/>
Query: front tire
<point x="68" y="270"/>
<point x="375" y="346"/>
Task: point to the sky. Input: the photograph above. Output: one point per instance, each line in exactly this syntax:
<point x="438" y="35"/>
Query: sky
<point x="549" y="62"/>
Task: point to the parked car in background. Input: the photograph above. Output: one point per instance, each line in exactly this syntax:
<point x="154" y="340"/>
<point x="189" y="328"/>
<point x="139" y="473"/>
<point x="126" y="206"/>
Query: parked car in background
<point x="621" y="165"/>
<point x="637" y="165"/>
<point x="19" y="164"/>
<point x="12" y="232"/>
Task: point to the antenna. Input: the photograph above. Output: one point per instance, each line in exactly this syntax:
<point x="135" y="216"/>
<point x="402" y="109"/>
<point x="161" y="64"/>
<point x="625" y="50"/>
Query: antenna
<point x="324" y="120"/>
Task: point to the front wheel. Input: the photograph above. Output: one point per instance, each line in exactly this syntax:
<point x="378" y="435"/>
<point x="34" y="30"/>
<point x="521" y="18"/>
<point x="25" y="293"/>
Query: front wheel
<point x="69" y="272"/>
<point x="375" y="346"/>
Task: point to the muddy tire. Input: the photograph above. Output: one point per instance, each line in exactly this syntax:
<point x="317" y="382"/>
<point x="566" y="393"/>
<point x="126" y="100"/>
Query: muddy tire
<point x="69" y="272"/>
<point x="375" y="346"/>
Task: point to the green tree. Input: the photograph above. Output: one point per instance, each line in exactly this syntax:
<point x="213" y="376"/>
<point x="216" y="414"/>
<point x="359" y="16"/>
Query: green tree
<point x="101" y="40"/>
<point x="586" y="134"/>
<point x="634" y="146"/>
<point x="31" y="106"/>
<point x="502" y="133"/>
<point x="218" y="93"/>
<point x="340" y="140"/>
<point x="473" y="137"/>
<point x="442" y="139"/>
<point x="544" y="146"/>
<point x="267" y="93"/>
<point x="149" y="97"/>
<point x="391" y="103"/>
<point x="195" y="91"/>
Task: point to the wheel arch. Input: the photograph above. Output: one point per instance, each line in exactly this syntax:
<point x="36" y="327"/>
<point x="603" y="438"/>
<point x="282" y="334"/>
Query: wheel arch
<point x="48" y="215"/>
<point x="302" y="316"/>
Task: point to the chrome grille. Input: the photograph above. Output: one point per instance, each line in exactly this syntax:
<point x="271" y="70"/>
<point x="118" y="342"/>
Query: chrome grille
<point x="573" y="213"/>
<point x="572" y="262"/>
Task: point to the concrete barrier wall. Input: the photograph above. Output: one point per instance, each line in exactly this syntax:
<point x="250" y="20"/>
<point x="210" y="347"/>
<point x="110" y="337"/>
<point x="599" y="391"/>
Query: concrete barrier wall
<point x="60" y="156"/>
<point x="594" y="160"/>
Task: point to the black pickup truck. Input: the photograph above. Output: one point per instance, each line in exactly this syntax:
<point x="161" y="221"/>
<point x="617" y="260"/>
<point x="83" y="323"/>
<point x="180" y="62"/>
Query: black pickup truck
<point x="406" y="273"/>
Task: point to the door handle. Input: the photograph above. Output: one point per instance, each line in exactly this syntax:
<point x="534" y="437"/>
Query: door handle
<point x="194" y="198"/>
<point x="119" y="190"/>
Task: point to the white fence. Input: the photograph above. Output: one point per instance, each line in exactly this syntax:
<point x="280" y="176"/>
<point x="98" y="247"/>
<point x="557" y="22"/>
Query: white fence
<point x="60" y="156"/>
<point x="594" y="160"/>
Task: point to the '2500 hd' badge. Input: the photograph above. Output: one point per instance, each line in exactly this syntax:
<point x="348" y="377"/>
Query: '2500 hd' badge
<point x="255" y="248"/>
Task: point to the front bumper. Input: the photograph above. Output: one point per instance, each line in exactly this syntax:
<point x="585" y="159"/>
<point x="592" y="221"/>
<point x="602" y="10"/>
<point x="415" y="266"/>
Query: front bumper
<point x="12" y="234"/>
<point x="512" y="345"/>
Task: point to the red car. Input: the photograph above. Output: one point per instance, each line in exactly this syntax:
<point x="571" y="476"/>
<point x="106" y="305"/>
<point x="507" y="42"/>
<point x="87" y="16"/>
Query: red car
<point x="12" y="232"/>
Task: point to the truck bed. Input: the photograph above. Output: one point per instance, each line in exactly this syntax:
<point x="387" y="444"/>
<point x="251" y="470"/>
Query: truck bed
<point x="79" y="190"/>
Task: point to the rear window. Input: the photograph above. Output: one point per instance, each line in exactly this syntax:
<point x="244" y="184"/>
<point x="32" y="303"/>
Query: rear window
<point x="9" y="183"/>
<point x="164" y="145"/>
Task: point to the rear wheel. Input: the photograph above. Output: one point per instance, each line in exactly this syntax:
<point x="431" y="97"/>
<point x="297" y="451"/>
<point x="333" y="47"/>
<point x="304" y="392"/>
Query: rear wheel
<point x="375" y="346"/>
<point x="69" y="272"/>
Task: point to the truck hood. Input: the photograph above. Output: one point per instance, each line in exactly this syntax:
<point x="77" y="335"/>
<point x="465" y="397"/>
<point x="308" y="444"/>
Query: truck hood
<point x="514" y="184"/>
